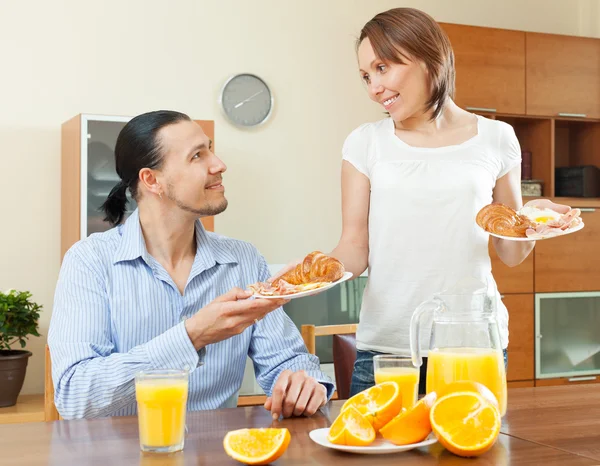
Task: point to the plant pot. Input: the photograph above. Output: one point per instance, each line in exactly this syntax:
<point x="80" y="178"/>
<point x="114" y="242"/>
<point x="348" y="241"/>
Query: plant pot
<point x="13" y="365"/>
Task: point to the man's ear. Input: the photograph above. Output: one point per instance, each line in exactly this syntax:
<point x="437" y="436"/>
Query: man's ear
<point x="150" y="182"/>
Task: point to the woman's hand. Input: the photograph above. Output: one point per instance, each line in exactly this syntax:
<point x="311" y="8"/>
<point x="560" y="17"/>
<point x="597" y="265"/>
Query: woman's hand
<point x="291" y="266"/>
<point x="508" y="192"/>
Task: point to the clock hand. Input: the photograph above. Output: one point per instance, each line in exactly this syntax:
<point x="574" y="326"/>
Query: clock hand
<point x="238" y="105"/>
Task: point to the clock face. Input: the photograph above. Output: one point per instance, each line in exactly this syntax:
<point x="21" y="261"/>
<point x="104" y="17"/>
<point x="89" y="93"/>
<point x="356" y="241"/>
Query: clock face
<point x="246" y="100"/>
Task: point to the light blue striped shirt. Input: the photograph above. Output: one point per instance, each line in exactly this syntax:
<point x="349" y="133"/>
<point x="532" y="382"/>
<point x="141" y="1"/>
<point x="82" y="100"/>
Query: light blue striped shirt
<point x="117" y="311"/>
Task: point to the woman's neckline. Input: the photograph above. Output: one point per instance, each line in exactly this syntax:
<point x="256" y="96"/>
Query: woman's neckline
<point x="439" y="148"/>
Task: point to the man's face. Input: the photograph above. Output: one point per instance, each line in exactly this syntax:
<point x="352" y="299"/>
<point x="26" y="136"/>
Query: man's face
<point x="191" y="174"/>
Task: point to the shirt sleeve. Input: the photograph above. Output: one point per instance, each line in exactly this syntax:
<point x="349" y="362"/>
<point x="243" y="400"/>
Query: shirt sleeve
<point x="91" y="378"/>
<point x="277" y="345"/>
<point x="510" y="150"/>
<point x="356" y="149"/>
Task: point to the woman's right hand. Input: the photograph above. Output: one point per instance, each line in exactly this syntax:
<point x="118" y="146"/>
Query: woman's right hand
<point x="292" y="265"/>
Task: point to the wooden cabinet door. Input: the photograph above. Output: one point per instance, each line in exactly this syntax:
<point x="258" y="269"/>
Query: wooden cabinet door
<point x="521" y="359"/>
<point x="563" y="75"/>
<point x="490" y="68"/>
<point x="517" y="279"/>
<point x="572" y="262"/>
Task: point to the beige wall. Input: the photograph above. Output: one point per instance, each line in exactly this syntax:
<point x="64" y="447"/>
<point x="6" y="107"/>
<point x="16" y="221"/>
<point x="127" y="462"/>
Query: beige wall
<point x="64" y="57"/>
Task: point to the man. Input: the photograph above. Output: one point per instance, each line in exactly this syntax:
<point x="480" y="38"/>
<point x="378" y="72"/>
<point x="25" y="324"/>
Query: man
<point x="160" y="292"/>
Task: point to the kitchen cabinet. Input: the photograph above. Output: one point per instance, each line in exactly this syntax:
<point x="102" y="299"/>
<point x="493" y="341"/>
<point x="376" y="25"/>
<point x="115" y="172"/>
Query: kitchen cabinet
<point x="571" y="262"/>
<point x="563" y="75"/>
<point x="490" y="68"/>
<point x="521" y="336"/>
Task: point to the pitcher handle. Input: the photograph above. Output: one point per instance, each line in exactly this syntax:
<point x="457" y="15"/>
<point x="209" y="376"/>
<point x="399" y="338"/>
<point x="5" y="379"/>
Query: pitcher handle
<point x="415" y="329"/>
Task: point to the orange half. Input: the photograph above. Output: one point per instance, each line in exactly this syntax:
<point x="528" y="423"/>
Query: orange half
<point x="469" y="386"/>
<point x="256" y="446"/>
<point x="412" y="425"/>
<point x="379" y="404"/>
<point x="465" y="423"/>
<point x="351" y="428"/>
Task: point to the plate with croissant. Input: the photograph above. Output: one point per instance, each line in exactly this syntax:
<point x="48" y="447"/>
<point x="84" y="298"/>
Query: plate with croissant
<point x="537" y="220"/>
<point x="316" y="273"/>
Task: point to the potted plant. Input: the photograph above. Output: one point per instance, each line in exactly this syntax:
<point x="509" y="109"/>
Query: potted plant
<point x="18" y="319"/>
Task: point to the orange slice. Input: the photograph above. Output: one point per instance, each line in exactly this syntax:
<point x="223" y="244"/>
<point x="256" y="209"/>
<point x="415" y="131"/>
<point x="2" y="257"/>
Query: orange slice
<point x="351" y="428"/>
<point x="469" y="386"/>
<point x="465" y="423"/>
<point x="256" y="446"/>
<point x="412" y="425"/>
<point x="379" y="404"/>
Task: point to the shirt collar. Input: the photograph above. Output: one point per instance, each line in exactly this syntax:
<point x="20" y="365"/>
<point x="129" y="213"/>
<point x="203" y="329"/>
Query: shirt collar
<point x="209" y="249"/>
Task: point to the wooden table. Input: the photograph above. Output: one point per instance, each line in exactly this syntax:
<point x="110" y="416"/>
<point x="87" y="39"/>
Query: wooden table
<point x="566" y="418"/>
<point x="544" y="426"/>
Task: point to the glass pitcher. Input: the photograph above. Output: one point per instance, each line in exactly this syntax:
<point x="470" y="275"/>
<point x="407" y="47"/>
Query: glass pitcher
<point x="464" y="342"/>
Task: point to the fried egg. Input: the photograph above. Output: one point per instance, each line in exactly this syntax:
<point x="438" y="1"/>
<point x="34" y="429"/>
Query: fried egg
<point x="538" y="215"/>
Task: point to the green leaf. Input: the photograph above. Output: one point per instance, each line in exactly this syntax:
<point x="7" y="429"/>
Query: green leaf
<point x="18" y="318"/>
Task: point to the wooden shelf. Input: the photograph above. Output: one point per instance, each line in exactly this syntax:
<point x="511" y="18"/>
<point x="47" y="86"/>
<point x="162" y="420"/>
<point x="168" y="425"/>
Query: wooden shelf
<point x="29" y="408"/>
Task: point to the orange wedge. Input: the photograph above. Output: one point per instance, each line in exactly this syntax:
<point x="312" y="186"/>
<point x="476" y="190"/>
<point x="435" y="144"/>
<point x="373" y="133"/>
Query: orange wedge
<point x="379" y="404"/>
<point x="465" y="423"/>
<point x="412" y="425"/>
<point x="256" y="446"/>
<point x="469" y="386"/>
<point x="351" y="428"/>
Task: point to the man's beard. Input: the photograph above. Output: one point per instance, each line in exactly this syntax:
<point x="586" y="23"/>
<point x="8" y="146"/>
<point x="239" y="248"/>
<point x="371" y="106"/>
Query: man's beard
<point x="207" y="210"/>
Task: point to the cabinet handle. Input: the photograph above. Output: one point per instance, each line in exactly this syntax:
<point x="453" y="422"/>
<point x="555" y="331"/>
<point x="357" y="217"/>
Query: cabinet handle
<point x="586" y="209"/>
<point x="581" y="379"/>
<point x="572" y="115"/>
<point x="481" y="109"/>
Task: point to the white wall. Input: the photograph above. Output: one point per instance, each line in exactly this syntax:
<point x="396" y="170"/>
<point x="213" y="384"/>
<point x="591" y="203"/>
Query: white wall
<point x="64" y="57"/>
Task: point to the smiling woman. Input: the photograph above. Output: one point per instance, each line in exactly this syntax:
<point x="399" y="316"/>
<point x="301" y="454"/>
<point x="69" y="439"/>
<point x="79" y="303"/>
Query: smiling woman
<point x="412" y="184"/>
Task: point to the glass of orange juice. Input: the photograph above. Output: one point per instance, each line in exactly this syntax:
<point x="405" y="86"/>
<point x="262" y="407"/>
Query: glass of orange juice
<point x="162" y="404"/>
<point x="400" y="369"/>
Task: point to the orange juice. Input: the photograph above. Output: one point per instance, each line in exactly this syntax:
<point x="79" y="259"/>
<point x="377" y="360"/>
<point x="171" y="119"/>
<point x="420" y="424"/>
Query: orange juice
<point x="407" y="379"/>
<point x="161" y="412"/>
<point x="483" y="365"/>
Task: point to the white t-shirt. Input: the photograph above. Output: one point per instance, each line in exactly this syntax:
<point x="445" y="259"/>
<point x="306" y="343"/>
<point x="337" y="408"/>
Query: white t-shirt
<point x="423" y="237"/>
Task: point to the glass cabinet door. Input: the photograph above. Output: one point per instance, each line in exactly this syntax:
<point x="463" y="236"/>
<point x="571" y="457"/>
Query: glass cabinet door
<point x="101" y="175"/>
<point x="568" y="334"/>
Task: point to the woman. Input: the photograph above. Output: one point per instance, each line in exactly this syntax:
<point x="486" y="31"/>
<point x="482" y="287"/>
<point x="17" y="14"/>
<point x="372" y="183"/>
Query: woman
<point x="412" y="184"/>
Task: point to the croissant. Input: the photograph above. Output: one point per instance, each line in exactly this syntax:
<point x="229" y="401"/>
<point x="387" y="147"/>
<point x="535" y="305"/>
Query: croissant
<point x="503" y="220"/>
<point x="315" y="267"/>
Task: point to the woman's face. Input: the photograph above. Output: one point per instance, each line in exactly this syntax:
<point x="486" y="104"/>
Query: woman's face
<point x="402" y="89"/>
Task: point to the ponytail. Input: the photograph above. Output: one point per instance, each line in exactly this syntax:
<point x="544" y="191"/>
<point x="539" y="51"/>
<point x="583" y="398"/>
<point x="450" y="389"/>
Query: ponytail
<point x="115" y="205"/>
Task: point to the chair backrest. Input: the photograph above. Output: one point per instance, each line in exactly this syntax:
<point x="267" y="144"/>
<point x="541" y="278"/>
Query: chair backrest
<point x="50" y="411"/>
<point x="344" y="356"/>
<point x="344" y="351"/>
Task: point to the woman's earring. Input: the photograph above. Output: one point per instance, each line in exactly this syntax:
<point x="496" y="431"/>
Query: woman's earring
<point x="160" y="195"/>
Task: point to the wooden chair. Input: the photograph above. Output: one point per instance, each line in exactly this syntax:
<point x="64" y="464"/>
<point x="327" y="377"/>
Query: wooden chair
<point x="50" y="411"/>
<point x="344" y="351"/>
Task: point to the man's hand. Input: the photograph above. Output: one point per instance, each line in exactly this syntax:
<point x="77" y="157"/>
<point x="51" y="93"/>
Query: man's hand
<point x="295" y="393"/>
<point x="227" y="316"/>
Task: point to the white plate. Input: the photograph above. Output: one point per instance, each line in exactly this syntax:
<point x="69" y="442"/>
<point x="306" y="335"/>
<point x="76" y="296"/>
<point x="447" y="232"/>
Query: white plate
<point x="539" y="238"/>
<point x="302" y="294"/>
<point x="379" y="447"/>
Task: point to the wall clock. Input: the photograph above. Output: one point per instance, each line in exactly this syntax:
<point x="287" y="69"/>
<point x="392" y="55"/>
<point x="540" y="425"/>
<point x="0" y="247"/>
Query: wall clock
<point x="246" y="100"/>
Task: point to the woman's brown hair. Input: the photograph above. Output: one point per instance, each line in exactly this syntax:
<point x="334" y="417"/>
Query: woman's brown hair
<point x="411" y="31"/>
